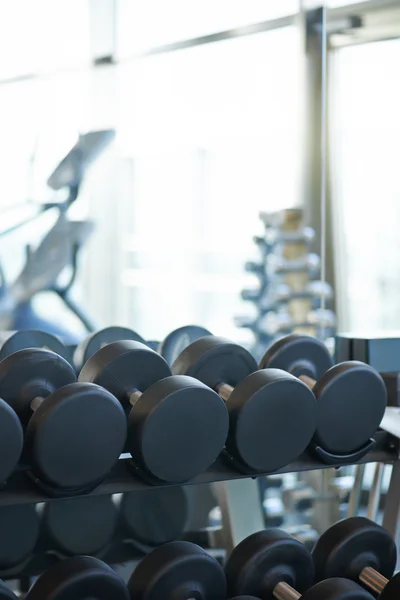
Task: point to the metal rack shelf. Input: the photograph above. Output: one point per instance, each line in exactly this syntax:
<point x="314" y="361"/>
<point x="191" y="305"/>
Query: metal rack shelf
<point x="21" y="489"/>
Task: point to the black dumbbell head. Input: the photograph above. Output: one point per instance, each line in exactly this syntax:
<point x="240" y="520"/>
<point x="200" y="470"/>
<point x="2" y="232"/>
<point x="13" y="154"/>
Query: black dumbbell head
<point x="20" y="340"/>
<point x="392" y="589"/>
<point x="100" y="338"/>
<point x="178" y="570"/>
<point x="350" y="545"/>
<point x="30" y="373"/>
<point x="80" y="525"/>
<point x="177" y="428"/>
<point x="299" y="355"/>
<point x="273" y="417"/>
<point x="336" y="588"/>
<point x="214" y="360"/>
<point x="19" y="526"/>
<point x="154" y="517"/>
<point x="11" y="440"/>
<point x="266" y="558"/>
<point x="80" y="578"/>
<point x="122" y="367"/>
<point x="75" y="436"/>
<point x="179" y="339"/>
<point x="351" y="399"/>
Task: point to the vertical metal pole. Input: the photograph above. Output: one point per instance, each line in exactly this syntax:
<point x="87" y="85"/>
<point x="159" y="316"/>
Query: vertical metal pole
<point x="102" y="23"/>
<point x="375" y="492"/>
<point x="315" y="143"/>
<point x="391" y="514"/>
<point x="355" y="494"/>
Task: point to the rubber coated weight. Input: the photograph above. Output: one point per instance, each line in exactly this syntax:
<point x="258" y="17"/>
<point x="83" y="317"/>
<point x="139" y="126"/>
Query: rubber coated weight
<point x="178" y="570"/>
<point x="76" y="436"/>
<point x="80" y="525"/>
<point x="266" y="558"/>
<point x="261" y="436"/>
<point x="155" y="516"/>
<point x="12" y="341"/>
<point x="351" y="399"/>
<point x="19" y="526"/>
<point x="351" y="396"/>
<point x="336" y="589"/>
<point x="97" y="340"/>
<point x="215" y="360"/>
<point x="177" y="429"/>
<point x="177" y="426"/>
<point x="76" y="432"/>
<point x="6" y="593"/>
<point x="124" y="366"/>
<point x="273" y="417"/>
<point x="391" y="590"/>
<point x="79" y="578"/>
<point x="11" y="440"/>
<point x="298" y="355"/>
<point x="29" y="373"/>
<point x="347" y="547"/>
<point x="179" y="339"/>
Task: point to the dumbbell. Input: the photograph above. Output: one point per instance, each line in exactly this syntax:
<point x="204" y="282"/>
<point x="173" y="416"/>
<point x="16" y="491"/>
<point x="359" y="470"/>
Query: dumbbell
<point x="79" y="578"/>
<point x="19" y="526"/>
<point x="11" y="441"/>
<point x="152" y="517"/>
<point x="173" y="344"/>
<point x="100" y="338"/>
<point x="351" y="396"/>
<point x="74" y="432"/>
<point x="271" y="564"/>
<point x="178" y="570"/>
<point x="273" y="323"/>
<point x="281" y="292"/>
<point x="362" y="551"/>
<point x="254" y="267"/>
<point x="177" y="340"/>
<point x="275" y="236"/>
<point x="12" y="341"/>
<point x="279" y="265"/>
<point x="79" y="525"/>
<point x="176" y="425"/>
<point x="272" y="414"/>
<point x="251" y="294"/>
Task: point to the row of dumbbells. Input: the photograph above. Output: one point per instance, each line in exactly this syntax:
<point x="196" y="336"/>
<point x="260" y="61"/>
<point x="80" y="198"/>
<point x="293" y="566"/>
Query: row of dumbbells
<point x="78" y="355"/>
<point x="36" y="366"/>
<point x="175" y="421"/>
<point x="108" y="527"/>
<point x="351" y="561"/>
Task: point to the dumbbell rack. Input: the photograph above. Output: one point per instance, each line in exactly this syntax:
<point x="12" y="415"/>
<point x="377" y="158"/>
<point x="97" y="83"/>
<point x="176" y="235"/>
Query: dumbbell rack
<point x="285" y="240"/>
<point x="237" y="494"/>
<point x="21" y="489"/>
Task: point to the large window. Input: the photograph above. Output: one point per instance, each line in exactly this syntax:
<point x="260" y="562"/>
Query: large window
<point x="145" y="24"/>
<point x="366" y="185"/>
<point x="213" y="132"/>
<point x="43" y="35"/>
<point x="207" y="136"/>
